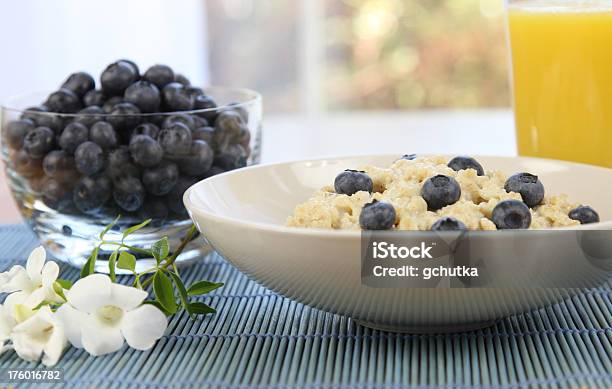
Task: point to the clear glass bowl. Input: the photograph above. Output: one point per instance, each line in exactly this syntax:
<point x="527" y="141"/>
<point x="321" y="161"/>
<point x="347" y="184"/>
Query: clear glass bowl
<point x="67" y="209"/>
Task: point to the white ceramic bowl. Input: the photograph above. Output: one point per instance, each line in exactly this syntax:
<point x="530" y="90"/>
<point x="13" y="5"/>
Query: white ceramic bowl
<point x="242" y="214"/>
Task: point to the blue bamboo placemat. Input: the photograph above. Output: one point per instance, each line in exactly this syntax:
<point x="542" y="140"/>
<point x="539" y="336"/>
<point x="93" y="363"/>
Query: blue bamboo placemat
<point x="261" y="340"/>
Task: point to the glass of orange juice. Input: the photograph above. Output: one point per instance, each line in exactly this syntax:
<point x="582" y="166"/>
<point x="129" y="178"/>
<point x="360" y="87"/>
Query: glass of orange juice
<point x="562" y="78"/>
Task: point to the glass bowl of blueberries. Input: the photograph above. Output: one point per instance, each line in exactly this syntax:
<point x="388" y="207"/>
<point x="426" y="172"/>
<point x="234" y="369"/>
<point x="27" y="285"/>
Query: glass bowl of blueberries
<point x="130" y="145"/>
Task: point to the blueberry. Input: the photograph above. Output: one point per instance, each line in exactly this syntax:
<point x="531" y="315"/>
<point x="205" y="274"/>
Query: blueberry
<point x="377" y="215"/>
<point x="584" y="214"/>
<point x="440" y="191"/>
<point x="463" y="162"/>
<point x="94" y="97"/>
<point x="240" y="109"/>
<point x="528" y="186"/>
<point x="128" y="193"/>
<point x="198" y="161"/>
<point x="245" y="139"/>
<point x="187" y="120"/>
<point x="133" y="65"/>
<point x="55" y="194"/>
<point x="176" y="98"/>
<point x="89" y="115"/>
<point x="182" y="80"/>
<point x="63" y="101"/>
<point x="144" y="95"/>
<point x="161" y="179"/>
<point x="214" y="171"/>
<point x="124" y="116"/>
<point x="511" y="214"/>
<point x="26" y="165"/>
<point x="90" y="193"/>
<point x="206" y="103"/>
<point x="42" y="118"/>
<point x="149" y="129"/>
<point x="350" y="182"/>
<point x="14" y="132"/>
<point x="73" y="135"/>
<point x="160" y="75"/>
<point x="409" y="157"/>
<point x="60" y="165"/>
<point x="448" y="223"/>
<point x="175" y="197"/>
<point x="117" y="77"/>
<point x="104" y="135"/>
<point x="198" y="122"/>
<point x="109" y="105"/>
<point x="39" y="142"/>
<point x="89" y="158"/>
<point x="145" y="151"/>
<point x="156" y="209"/>
<point x="194" y="90"/>
<point x="233" y="157"/>
<point x="175" y="139"/>
<point x="206" y="134"/>
<point x="80" y="83"/>
<point x="228" y="128"/>
<point x="120" y="164"/>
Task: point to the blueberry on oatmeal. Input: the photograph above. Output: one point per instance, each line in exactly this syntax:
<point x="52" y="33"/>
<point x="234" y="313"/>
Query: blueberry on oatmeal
<point x="440" y="191"/>
<point x="463" y="162"/>
<point x="528" y="186"/>
<point x="350" y="182"/>
<point x="584" y="214"/>
<point x="511" y="214"/>
<point x="377" y="215"/>
<point x="448" y="223"/>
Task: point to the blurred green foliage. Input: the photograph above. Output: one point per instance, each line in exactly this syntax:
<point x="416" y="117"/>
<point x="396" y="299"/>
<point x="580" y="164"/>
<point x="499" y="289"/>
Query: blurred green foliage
<point x="384" y="54"/>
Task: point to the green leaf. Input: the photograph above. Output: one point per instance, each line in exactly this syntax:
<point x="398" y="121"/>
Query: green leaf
<point x="164" y="293"/>
<point x="66" y="284"/>
<point x="90" y="265"/>
<point x="160" y="249"/>
<point x="126" y="261"/>
<point x="203" y="287"/>
<point x="135" y="228"/>
<point x="112" y="263"/>
<point x="158" y="306"/>
<point x="181" y="289"/>
<point x="108" y="227"/>
<point x="57" y="288"/>
<point x="198" y="308"/>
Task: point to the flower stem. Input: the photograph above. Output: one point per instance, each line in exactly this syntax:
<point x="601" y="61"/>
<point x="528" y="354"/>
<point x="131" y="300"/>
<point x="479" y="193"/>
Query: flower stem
<point x="170" y="261"/>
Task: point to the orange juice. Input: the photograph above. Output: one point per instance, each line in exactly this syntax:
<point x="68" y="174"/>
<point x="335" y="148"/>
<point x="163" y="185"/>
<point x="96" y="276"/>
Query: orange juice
<point x="562" y="76"/>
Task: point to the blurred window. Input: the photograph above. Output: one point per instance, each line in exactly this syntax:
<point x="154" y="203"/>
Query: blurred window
<point x="325" y="55"/>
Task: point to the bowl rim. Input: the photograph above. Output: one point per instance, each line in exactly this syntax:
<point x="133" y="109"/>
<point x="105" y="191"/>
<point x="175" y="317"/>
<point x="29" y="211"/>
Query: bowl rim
<point x="254" y="98"/>
<point x="192" y="207"/>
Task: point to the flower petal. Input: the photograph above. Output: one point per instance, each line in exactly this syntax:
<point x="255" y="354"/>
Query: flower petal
<point x="6" y="323"/>
<point x="90" y="293"/>
<point x="13" y="299"/>
<point x="126" y="297"/>
<point x="30" y="337"/>
<point x="14" y="280"/>
<point x="49" y="274"/>
<point x="35" y="263"/>
<point x="72" y="321"/>
<point x="99" y="339"/>
<point x="55" y="346"/>
<point x="143" y="326"/>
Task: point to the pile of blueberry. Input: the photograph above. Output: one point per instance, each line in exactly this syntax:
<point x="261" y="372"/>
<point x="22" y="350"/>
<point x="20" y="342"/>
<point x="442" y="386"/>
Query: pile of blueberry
<point x="440" y="190"/>
<point x="133" y="145"/>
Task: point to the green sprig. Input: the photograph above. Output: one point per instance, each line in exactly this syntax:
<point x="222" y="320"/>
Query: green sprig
<point x="170" y="294"/>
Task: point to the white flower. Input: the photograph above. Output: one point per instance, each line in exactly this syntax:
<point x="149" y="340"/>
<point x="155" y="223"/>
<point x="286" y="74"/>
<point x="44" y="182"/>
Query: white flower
<point x="40" y="335"/>
<point x="7" y="323"/>
<point x="32" y="285"/>
<point x="99" y="314"/>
